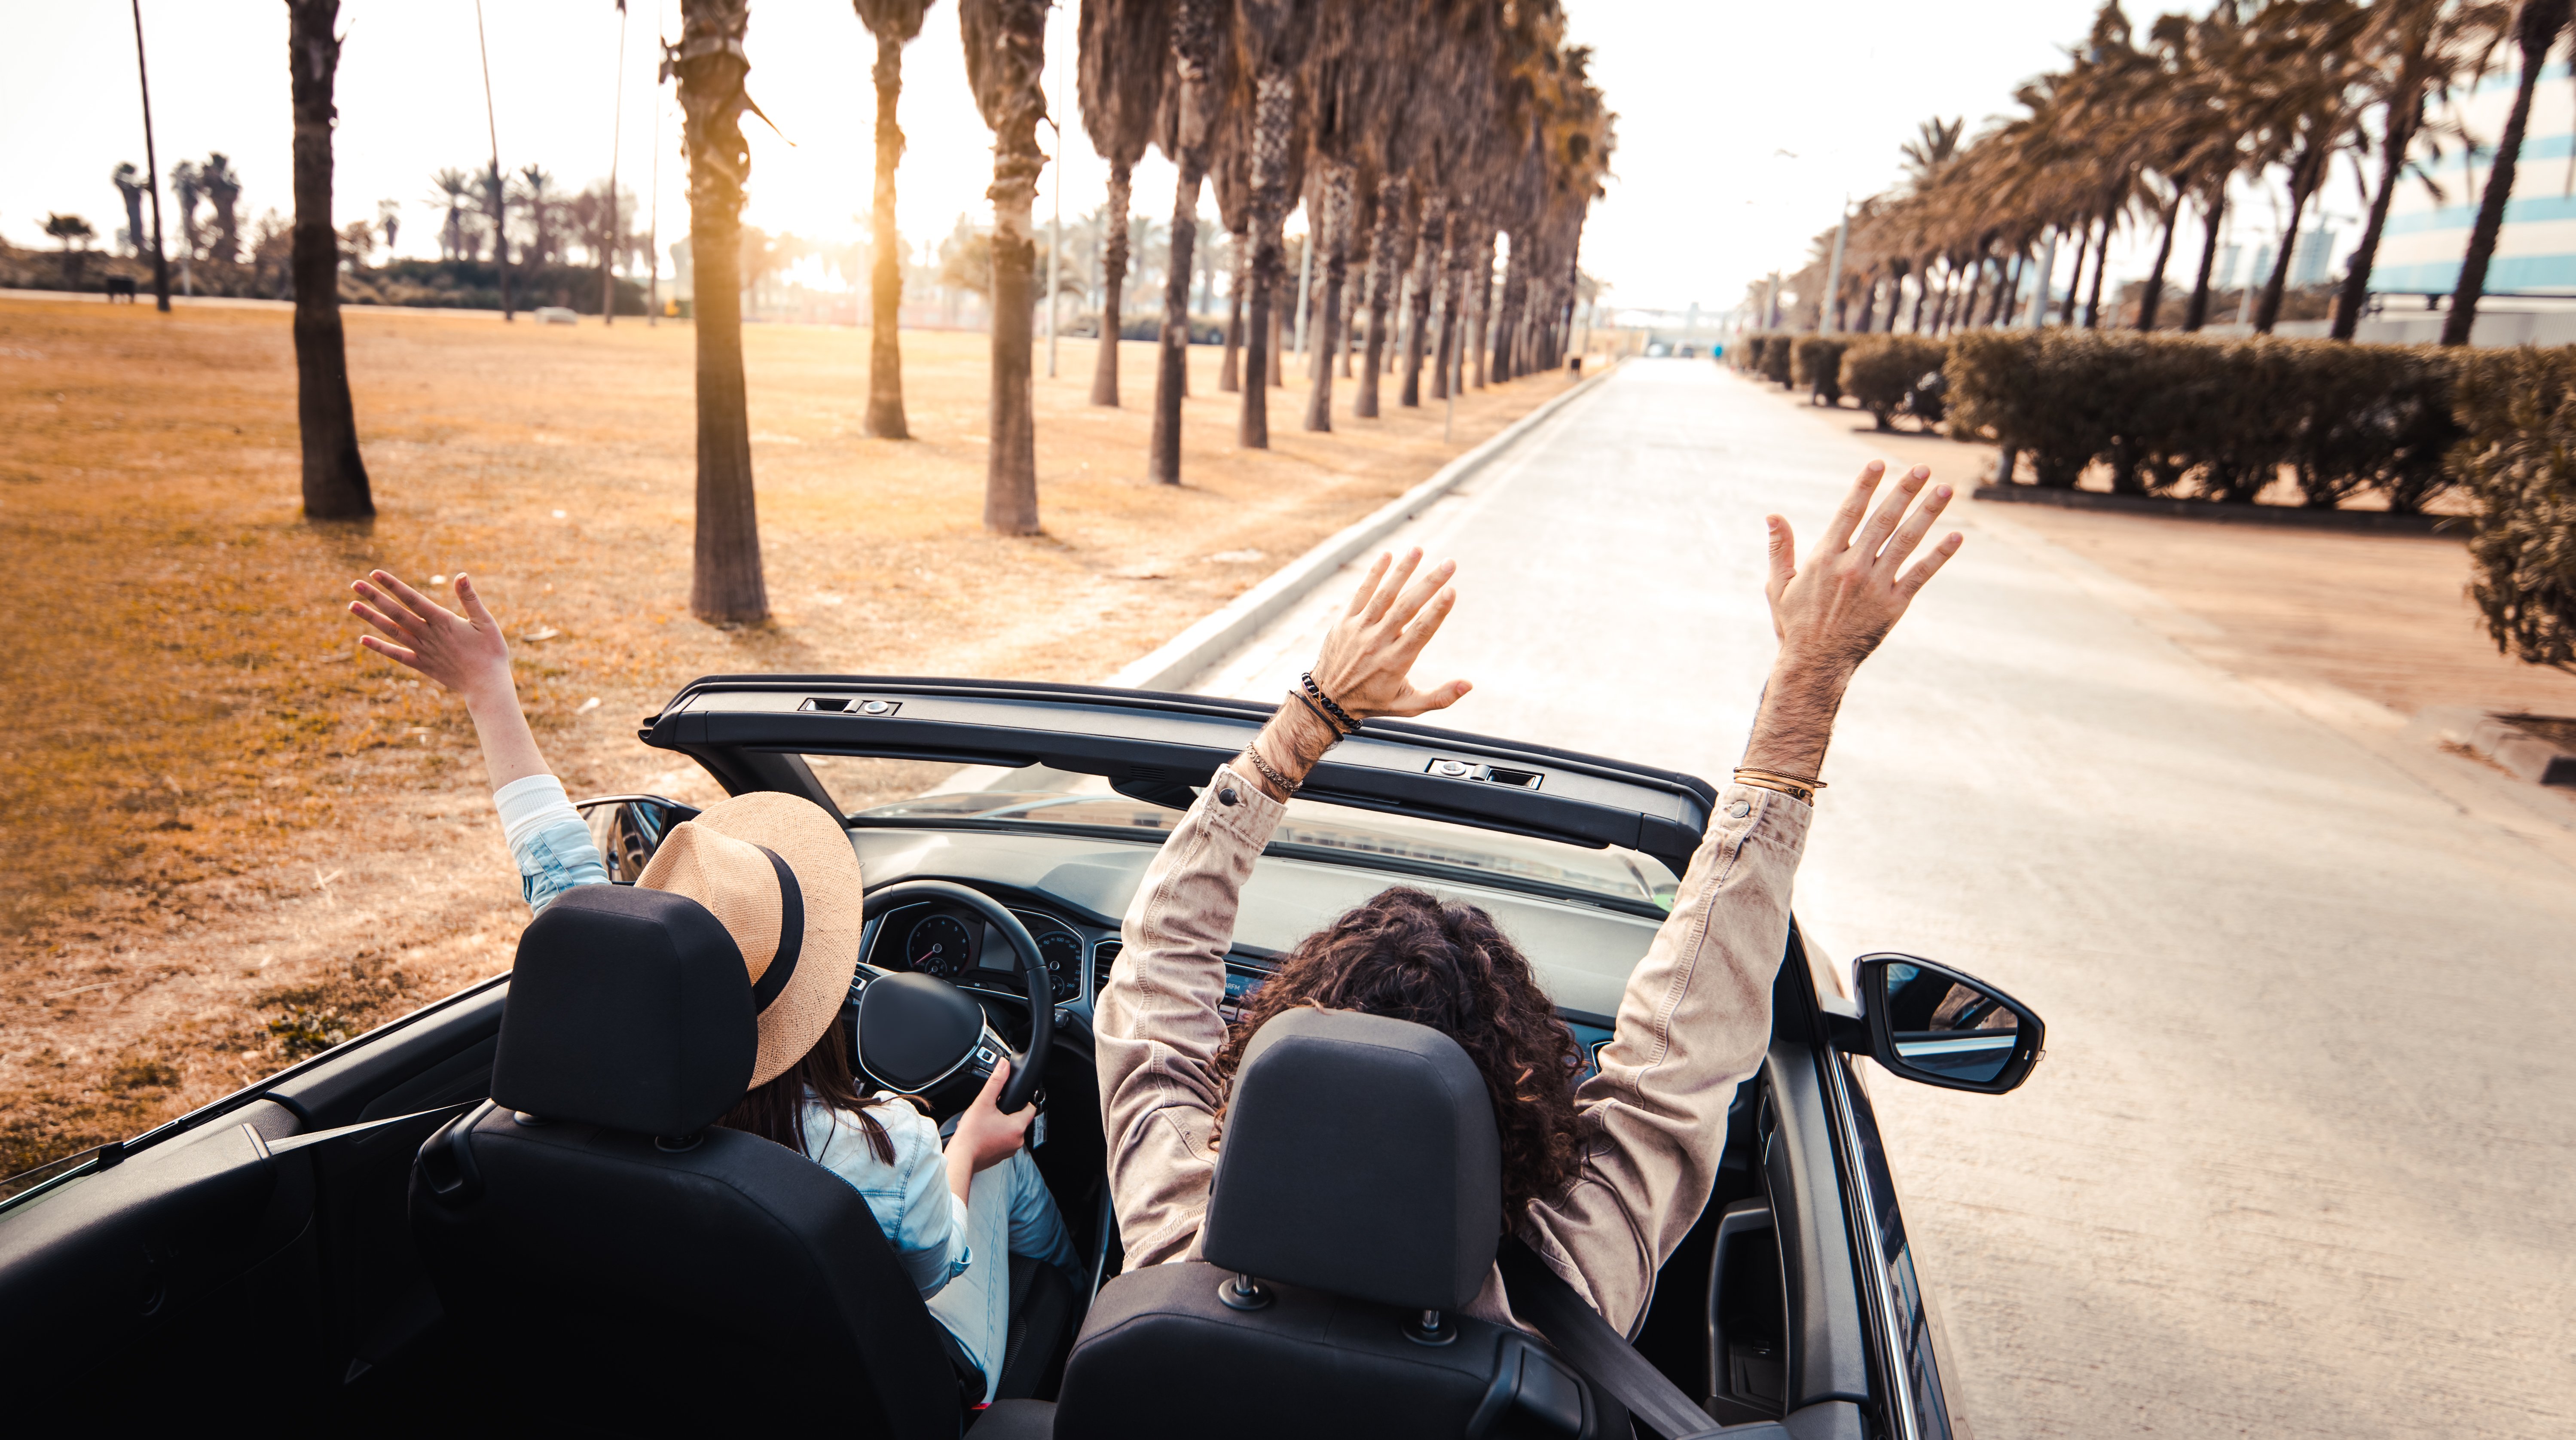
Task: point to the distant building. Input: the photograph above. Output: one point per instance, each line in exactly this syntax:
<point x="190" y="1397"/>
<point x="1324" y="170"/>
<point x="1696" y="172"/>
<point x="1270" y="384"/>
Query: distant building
<point x="2308" y="257"/>
<point x="2426" y="240"/>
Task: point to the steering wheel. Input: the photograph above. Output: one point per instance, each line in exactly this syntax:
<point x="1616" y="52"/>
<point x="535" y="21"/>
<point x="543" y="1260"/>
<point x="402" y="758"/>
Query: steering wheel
<point x="917" y="1030"/>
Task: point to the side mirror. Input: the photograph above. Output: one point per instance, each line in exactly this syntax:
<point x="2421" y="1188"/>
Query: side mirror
<point x="629" y="828"/>
<point x="1930" y="1023"/>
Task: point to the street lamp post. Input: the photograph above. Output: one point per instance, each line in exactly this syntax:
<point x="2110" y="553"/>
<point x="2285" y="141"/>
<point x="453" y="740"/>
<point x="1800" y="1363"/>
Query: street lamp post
<point x="1834" y="272"/>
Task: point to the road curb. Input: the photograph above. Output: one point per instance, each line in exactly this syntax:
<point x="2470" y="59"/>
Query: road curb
<point x="2368" y="522"/>
<point x="1172" y="665"/>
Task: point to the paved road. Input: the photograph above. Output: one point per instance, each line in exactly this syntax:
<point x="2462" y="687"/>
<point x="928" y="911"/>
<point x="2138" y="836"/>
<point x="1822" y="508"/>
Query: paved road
<point x="2300" y="1159"/>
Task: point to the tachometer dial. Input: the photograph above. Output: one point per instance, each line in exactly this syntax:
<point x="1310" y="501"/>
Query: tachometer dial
<point x="1062" y="951"/>
<point x="939" y="945"/>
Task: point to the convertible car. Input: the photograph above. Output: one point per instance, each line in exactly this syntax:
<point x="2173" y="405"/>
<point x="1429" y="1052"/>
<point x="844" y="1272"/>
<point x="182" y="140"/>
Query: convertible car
<point x="369" y="1239"/>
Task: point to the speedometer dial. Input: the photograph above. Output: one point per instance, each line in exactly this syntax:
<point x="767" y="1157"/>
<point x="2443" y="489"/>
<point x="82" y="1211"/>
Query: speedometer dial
<point x="1062" y="951"/>
<point x="939" y="945"/>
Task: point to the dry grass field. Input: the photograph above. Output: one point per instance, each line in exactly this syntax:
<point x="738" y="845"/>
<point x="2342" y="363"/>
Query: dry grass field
<point x="233" y="836"/>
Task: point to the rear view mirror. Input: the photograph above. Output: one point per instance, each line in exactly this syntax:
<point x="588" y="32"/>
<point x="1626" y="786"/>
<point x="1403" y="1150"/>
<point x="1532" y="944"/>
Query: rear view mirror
<point x="629" y="828"/>
<point x="1930" y="1023"/>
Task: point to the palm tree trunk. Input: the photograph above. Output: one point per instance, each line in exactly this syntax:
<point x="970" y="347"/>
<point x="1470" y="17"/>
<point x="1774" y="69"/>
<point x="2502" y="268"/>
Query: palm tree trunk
<point x="1336" y="240"/>
<point x="1172" y="357"/>
<point x="2154" y="298"/>
<point x="2075" y="282"/>
<point x="727" y="584"/>
<point x="885" y="418"/>
<point x="2212" y="212"/>
<point x="1113" y="287"/>
<point x="1229" y="377"/>
<point x="2535" y="29"/>
<point x="1480" y="303"/>
<point x="1426" y="266"/>
<point x="1278" y="337"/>
<point x="335" y="477"/>
<point x="2405" y="115"/>
<point x="2101" y="263"/>
<point x="2303" y="184"/>
<point x="1274" y="109"/>
<point x="1381" y="291"/>
<point x="1006" y="68"/>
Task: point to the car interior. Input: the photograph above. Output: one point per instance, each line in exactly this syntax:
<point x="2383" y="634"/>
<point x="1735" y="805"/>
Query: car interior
<point x="454" y="1209"/>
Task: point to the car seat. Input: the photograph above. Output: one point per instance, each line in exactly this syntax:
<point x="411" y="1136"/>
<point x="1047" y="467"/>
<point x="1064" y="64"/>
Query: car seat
<point x="621" y="1262"/>
<point x="1355" y="1214"/>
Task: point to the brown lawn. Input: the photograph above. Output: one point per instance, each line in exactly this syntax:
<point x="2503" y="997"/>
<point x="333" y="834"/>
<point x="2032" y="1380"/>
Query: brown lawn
<point x="232" y="835"/>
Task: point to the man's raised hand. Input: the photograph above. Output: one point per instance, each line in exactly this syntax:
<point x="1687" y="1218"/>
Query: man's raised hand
<point x="1367" y="662"/>
<point x="1831" y="611"/>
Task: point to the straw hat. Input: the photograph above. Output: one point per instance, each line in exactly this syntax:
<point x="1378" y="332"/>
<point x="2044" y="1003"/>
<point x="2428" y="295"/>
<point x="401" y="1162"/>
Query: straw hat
<point x="779" y="874"/>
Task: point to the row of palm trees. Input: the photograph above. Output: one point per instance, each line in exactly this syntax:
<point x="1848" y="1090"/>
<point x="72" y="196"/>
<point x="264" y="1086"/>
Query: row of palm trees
<point x="2136" y="134"/>
<point x="1423" y="136"/>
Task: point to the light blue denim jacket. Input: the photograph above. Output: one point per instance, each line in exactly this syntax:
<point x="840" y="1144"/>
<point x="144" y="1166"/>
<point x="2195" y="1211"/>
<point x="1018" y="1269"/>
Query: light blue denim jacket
<point x="922" y="1219"/>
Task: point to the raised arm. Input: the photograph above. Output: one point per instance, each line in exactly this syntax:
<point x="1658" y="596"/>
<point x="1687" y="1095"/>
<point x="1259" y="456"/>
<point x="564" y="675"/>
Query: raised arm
<point x="1156" y="1026"/>
<point x="467" y="654"/>
<point x="1696" y="1016"/>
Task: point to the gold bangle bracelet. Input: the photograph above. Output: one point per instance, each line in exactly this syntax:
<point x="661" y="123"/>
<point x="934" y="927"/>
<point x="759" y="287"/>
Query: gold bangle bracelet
<point x="1806" y="781"/>
<point x="1766" y="781"/>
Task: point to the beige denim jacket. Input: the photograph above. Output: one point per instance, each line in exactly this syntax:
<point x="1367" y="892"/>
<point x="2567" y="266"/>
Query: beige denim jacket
<point x="1695" y="1021"/>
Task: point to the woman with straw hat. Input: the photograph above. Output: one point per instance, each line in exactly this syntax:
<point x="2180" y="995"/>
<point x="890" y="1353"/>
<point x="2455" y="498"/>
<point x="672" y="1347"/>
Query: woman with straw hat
<point x="779" y="874"/>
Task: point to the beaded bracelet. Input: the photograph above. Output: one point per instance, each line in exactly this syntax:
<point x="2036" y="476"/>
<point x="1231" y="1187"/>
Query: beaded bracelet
<point x="1345" y="723"/>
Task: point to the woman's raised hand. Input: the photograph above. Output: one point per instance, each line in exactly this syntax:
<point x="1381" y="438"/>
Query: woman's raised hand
<point x="1832" y="610"/>
<point x="1367" y="662"/>
<point x="464" y="653"/>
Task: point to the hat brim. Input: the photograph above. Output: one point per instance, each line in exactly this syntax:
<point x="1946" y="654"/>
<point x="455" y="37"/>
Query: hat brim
<point x="815" y="847"/>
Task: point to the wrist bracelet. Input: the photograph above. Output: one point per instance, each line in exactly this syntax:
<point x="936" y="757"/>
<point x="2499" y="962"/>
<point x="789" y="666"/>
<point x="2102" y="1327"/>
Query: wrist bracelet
<point x="1342" y="717"/>
<point x="1282" y="782"/>
<point x="1800" y="788"/>
<point x="1300" y="697"/>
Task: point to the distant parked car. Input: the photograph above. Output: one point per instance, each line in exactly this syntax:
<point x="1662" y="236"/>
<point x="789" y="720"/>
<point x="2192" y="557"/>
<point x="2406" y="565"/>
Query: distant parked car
<point x="556" y="315"/>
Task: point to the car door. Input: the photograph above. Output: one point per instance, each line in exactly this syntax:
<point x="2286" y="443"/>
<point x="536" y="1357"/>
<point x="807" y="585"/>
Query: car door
<point x="260" y="1241"/>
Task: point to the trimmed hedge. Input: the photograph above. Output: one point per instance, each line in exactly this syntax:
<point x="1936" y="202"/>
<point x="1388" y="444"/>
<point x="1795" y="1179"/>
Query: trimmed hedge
<point x="2518" y="464"/>
<point x="1817" y="365"/>
<point x="2173" y="414"/>
<point x="1775" y="358"/>
<point x="1888" y="375"/>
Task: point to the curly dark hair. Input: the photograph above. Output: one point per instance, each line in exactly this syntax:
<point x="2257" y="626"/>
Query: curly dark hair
<point x="1406" y="955"/>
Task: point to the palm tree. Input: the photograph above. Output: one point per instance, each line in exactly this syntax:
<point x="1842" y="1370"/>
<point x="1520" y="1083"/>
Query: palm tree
<point x="68" y="228"/>
<point x="223" y="189"/>
<point x="450" y="188"/>
<point x="1124" y="53"/>
<point x="2536" y="28"/>
<point x="895" y="24"/>
<point x="129" y="187"/>
<point x="389" y="220"/>
<point x="2416" y="50"/>
<point x="534" y="182"/>
<point x="2306" y="90"/>
<point x="727" y="584"/>
<point x="1006" y="66"/>
<point x="185" y="189"/>
<point x="1193" y="119"/>
<point x="335" y="477"/>
<point x="1273" y="37"/>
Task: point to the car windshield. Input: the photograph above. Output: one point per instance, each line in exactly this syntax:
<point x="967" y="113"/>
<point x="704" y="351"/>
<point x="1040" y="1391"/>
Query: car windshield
<point x="1052" y="799"/>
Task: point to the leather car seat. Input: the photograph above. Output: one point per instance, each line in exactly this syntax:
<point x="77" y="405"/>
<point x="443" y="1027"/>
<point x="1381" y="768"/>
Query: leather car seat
<point x="1356" y="1210"/>
<point x="621" y="1262"/>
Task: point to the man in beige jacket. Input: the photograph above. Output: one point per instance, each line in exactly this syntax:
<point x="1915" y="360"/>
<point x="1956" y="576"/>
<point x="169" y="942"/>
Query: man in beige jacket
<point x="1613" y="1173"/>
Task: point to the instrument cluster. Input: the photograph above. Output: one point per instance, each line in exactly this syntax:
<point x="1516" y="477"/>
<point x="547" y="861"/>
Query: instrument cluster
<point x="963" y="948"/>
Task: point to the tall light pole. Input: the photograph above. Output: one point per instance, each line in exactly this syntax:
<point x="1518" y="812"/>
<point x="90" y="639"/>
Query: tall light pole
<point x="616" y="133"/>
<point x="1834" y="272"/>
<point x="2037" y="315"/>
<point x="151" y="173"/>
<point x="1305" y="278"/>
<point x="1055" y="226"/>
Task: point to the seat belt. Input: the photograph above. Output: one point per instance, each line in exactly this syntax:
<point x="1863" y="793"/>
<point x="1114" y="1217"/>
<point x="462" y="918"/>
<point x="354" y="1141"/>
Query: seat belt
<point x="1540" y="1296"/>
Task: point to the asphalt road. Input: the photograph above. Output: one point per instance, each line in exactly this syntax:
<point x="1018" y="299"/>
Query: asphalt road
<point x="2300" y="1160"/>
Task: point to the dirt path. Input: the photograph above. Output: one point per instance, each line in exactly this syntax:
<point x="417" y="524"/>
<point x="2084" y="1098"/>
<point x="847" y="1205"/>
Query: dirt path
<point x="233" y="836"/>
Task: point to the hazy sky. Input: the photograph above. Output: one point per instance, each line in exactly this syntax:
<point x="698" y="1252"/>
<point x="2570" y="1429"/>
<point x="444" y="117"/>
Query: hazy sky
<point x="1740" y="125"/>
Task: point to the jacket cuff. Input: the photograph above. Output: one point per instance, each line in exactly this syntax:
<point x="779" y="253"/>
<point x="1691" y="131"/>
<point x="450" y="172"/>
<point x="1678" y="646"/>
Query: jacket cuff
<point x="1236" y="808"/>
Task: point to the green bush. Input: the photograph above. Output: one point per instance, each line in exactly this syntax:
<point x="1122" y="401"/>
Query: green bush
<point x="2518" y="463"/>
<point x="1775" y="357"/>
<point x="1885" y="373"/>
<point x="2220" y="419"/>
<point x="1817" y="365"/>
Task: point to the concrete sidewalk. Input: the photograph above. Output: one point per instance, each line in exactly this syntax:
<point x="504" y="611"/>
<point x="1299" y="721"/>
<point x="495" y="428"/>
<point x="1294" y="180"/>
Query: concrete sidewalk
<point x="2297" y="1161"/>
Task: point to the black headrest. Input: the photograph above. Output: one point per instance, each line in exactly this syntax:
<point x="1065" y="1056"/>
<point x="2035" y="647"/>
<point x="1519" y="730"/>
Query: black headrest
<point x="1359" y="1158"/>
<point x="629" y="1008"/>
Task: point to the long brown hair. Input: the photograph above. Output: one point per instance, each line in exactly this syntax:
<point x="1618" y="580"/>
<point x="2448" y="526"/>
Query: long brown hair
<point x="1406" y="955"/>
<point x="776" y="1111"/>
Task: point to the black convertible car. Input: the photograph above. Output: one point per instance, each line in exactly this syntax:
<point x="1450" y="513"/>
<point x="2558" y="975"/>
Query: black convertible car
<point x="355" y="1241"/>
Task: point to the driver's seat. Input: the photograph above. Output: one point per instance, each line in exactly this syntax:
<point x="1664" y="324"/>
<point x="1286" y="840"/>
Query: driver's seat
<point x="616" y="1260"/>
